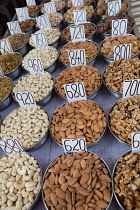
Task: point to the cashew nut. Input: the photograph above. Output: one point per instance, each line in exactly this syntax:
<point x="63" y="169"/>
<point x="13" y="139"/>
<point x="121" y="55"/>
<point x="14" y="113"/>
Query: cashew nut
<point x="19" y="185"/>
<point x="3" y="198"/>
<point x="21" y="171"/>
<point x="12" y="197"/>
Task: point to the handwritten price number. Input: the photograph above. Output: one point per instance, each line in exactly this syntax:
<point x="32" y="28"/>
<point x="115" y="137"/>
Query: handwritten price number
<point x="74" y="145"/>
<point x="43" y="21"/>
<point x="39" y="39"/>
<point x="25" y="99"/>
<point x="14" y="27"/>
<point x="30" y="2"/>
<point x="77" y="57"/>
<point x="75" y="91"/>
<point x="5" y="46"/>
<point x="50" y="7"/>
<point x="131" y="87"/>
<point x="135" y="142"/>
<point x="22" y="13"/>
<point x="77" y="33"/>
<point x="119" y="27"/>
<point x="76" y="3"/>
<point x="114" y="7"/>
<point x="79" y="16"/>
<point x="35" y="65"/>
<point x="11" y="146"/>
<point x="122" y="51"/>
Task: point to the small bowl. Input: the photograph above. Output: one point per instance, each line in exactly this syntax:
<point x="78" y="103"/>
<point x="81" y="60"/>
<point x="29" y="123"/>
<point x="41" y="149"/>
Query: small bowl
<point x="90" y="37"/>
<point x="7" y="100"/>
<point x="110" y="60"/>
<point x="91" y="62"/>
<point x="44" y="100"/>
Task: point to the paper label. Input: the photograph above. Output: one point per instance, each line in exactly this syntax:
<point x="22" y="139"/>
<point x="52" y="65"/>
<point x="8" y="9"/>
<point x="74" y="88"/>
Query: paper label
<point x="119" y="27"/>
<point x="43" y="21"/>
<point x="114" y="7"/>
<point x="77" y="33"/>
<point x="30" y="2"/>
<point x="35" y="65"/>
<point x="14" y="27"/>
<point x="74" y="145"/>
<point x="135" y="137"/>
<point x="122" y="51"/>
<point x="79" y="16"/>
<point x="39" y="39"/>
<point x="25" y="99"/>
<point x="22" y="13"/>
<point x="11" y="146"/>
<point x="77" y="57"/>
<point x="5" y="46"/>
<point x="131" y="87"/>
<point x="76" y="3"/>
<point x="50" y="7"/>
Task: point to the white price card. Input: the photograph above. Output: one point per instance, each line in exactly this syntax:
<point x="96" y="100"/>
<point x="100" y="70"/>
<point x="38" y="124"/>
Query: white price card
<point x="25" y="99"/>
<point x="114" y="7"/>
<point x="35" y="65"/>
<point x="50" y="7"/>
<point x="43" y="21"/>
<point x="75" y="91"/>
<point x="5" y="46"/>
<point x="77" y="57"/>
<point x="22" y="13"/>
<point x="119" y="27"/>
<point x="79" y="16"/>
<point x="135" y="138"/>
<point x="30" y="2"/>
<point x="76" y="3"/>
<point x="11" y="146"/>
<point x="131" y="87"/>
<point x="39" y="39"/>
<point x="1" y="73"/>
<point x="122" y="51"/>
<point x="74" y="145"/>
<point x="77" y="33"/>
<point x="14" y="27"/>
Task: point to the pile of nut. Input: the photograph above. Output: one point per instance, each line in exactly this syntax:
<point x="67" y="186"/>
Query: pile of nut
<point x="33" y="10"/>
<point x="29" y="125"/>
<point x="18" y="40"/>
<point x="107" y="47"/>
<point x="89" y="75"/>
<point x="102" y="8"/>
<point x="121" y="70"/>
<point x="51" y="34"/>
<point x="5" y="87"/>
<point x="25" y="25"/>
<point x="20" y="181"/>
<point x="48" y="55"/>
<point x="77" y="181"/>
<point x="59" y="5"/>
<point x="89" y="28"/>
<point x="79" y="119"/>
<point x="105" y="25"/>
<point x="55" y="18"/>
<point x="40" y="86"/>
<point x="91" y="50"/>
<point x="69" y="16"/>
<point x="86" y="2"/>
<point x="124" y="118"/>
<point x="127" y="180"/>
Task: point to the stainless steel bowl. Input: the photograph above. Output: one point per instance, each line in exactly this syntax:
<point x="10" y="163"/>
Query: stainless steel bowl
<point x="85" y="137"/>
<point x="110" y="60"/>
<point x="46" y="207"/>
<point x="23" y="50"/>
<point x="7" y="100"/>
<point x="44" y="100"/>
<point x="59" y="25"/>
<point x="91" y="62"/>
<point x="30" y="30"/>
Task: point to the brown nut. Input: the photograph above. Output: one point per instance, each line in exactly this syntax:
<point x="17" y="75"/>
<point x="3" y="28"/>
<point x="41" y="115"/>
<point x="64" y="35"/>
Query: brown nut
<point x="33" y="10"/>
<point x="25" y="25"/>
<point x="5" y="87"/>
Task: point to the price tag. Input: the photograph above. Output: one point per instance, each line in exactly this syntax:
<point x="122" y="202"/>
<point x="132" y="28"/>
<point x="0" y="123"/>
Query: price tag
<point x="131" y="87"/>
<point x="77" y="33"/>
<point x="75" y="91"/>
<point x="76" y="3"/>
<point x="22" y="13"/>
<point x="114" y="7"/>
<point x="30" y="2"/>
<point x="1" y="73"/>
<point x="25" y="99"/>
<point x="14" y="27"/>
<point x="50" y="7"/>
<point x="39" y="39"/>
<point x="43" y="21"/>
<point x="35" y="65"/>
<point x="74" y="145"/>
<point x="5" y="46"/>
<point x="119" y="27"/>
<point x="122" y="51"/>
<point x="106" y="1"/>
<point x="77" y="57"/>
<point x="79" y="16"/>
<point x="135" y="137"/>
<point x="11" y="146"/>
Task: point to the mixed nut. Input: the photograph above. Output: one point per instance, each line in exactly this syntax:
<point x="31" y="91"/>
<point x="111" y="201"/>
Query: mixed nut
<point x="86" y="2"/>
<point x="59" y="5"/>
<point x="5" y="87"/>
<point x="55" y="18"/>
<point x="18" y="40"/>
<point x="25" y="25"/>
<point x="33" y="10"/>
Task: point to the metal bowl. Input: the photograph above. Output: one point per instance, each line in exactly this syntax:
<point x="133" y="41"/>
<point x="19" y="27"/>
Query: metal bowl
<point x="7" y="100"/>
<point x="46" y="207"/>
<point x="85" y="137"/>
<point x="110" y="60"/>
<point x="89" y="97"/>
<point x="108" y="119"/>
<point x="23" y="50"/>
<point x="91" y="62"/>
<point x="59" y="25"/>
<point x="44" y="100"/>
<point x="90" y="37"/>
<point x="42" y="140"/>
<point x="30" y="30"/>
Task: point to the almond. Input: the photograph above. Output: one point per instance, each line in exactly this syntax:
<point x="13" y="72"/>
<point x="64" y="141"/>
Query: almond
<point x="101" y="204"/>
<point x="84" y="179"/>
<point x="89" y="197"/>
<point x="107" y="195"/>
<point x="83" y="191"/>
<point x="53" y="198"/>
<point x="80" y="203"/>
<point x="69" y="197"/>
<point x="99" y="194"/>
<point x="72" y="180"/>
<point x="61" y="180"/>
<point x="62" y="201"/>
<point x="60" y="193"/>
<point x="83" y="164"/>
<point x="107" y="178"/>
<point x="64" y="187"/>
